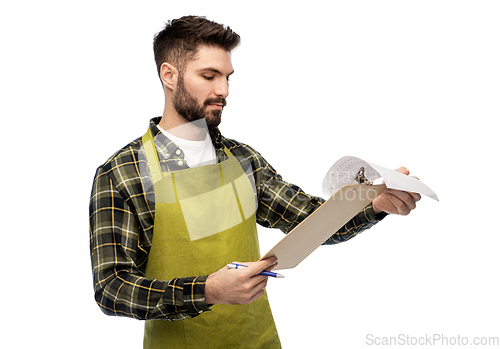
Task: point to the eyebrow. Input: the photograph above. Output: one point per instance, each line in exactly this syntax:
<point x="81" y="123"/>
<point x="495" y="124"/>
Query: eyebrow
<point x="213" y="70"/>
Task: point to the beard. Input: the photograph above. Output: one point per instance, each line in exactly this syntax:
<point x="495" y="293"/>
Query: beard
<point x="188" y="107"/>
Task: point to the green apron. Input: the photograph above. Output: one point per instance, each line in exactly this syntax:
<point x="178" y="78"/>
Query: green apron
<point x="205" y="219"/>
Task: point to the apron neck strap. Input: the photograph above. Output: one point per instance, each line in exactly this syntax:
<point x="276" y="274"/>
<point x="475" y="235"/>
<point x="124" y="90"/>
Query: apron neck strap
<point x="228" y="153"/>
<point x="152" y="155"/>
<point x="150" y="150"/>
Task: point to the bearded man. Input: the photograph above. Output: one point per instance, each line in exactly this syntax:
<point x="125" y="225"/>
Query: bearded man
<point x="171" y="209"/>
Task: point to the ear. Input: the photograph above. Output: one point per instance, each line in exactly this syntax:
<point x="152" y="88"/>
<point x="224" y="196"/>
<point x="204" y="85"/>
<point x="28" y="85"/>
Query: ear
<point x="169" y="75"/>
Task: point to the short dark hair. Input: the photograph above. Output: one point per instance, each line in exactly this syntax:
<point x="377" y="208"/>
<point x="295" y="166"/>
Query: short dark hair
<point x="179" y="41"/>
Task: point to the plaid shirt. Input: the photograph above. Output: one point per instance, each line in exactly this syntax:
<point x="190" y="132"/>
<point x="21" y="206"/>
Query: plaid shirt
<point x="122" y="219"/>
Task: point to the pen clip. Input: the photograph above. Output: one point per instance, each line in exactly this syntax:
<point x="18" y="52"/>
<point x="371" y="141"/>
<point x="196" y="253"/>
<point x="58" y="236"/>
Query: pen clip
<point x="236" y="265"/>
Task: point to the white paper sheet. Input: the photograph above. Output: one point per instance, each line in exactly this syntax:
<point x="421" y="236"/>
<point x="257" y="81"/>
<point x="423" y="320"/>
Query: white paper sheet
<point x="345" y="169"/>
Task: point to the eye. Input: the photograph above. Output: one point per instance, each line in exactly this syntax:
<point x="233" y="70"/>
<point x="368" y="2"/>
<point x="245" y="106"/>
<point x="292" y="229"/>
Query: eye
<point x="208" y="77"/>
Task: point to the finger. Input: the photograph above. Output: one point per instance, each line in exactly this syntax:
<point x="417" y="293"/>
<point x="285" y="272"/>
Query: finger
<point x="416" y="196"/>
<point x="399" y="204"/>
<point x="256" y="295"/>
<point x="252" y="269"/>
<point x="263" y="264"/>
<point x="260" y="285"/>
<point x="253" y="291"/>
<point x="271" y="260"/>
<point x="409" y="199"/>
<point x="272" y="266"/>
<point x="258" y="282"/>
<point x="403" y="170"/>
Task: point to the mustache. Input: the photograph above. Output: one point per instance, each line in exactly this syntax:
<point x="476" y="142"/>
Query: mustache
<point x="220" y="100"/>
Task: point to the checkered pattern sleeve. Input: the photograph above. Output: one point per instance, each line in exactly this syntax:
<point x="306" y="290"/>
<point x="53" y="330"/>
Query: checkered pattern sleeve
<point x="364" y="220"/>
<point x="284" y="205"/>
<point x="120" y="287"/>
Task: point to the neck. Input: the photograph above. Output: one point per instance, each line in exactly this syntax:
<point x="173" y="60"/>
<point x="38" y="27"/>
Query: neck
<point x="175" y="124"/>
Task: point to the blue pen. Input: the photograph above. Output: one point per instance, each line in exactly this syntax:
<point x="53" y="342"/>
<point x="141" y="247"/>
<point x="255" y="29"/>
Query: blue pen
<point x="265" y="272"/>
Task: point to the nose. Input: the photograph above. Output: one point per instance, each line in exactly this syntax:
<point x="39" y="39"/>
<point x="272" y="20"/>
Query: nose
<point x="222" y="88"/>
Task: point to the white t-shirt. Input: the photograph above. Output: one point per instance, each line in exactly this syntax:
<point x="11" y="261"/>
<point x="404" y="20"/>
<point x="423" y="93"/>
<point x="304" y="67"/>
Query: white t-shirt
<point x="196" y="153"/>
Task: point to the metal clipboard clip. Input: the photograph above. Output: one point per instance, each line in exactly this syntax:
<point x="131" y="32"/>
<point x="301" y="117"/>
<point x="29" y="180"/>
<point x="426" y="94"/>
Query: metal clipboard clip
<point x="360" y="177"/>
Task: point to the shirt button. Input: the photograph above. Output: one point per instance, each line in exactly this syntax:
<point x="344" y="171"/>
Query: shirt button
<point x="167" y="155"/>
<point x="180" y="163"/>
<point x="178" y="152"/>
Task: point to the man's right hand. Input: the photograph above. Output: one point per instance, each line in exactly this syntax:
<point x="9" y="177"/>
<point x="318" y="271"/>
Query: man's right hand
<point x="238" y="286"/>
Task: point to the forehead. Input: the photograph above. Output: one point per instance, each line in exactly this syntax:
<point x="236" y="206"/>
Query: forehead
<point x="211" y="57"/>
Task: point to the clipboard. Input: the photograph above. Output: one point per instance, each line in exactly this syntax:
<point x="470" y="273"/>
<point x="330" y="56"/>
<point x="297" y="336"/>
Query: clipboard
<point x="347" y="200"/>
<point x="323" y="223"/>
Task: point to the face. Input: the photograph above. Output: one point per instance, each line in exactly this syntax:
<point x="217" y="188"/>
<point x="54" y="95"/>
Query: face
<point x="203" y="86"/>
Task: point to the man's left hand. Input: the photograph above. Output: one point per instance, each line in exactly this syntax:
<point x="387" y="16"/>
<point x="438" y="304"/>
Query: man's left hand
<point x="394" y="201"/>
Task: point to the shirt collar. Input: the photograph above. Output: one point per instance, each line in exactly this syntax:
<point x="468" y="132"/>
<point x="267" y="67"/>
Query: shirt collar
<point x="169" y="152"/>
<point x="214" y="133"/>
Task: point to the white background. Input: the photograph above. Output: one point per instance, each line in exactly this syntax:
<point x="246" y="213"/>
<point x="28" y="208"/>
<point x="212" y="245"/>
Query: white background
<point x="412" y="83"/>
